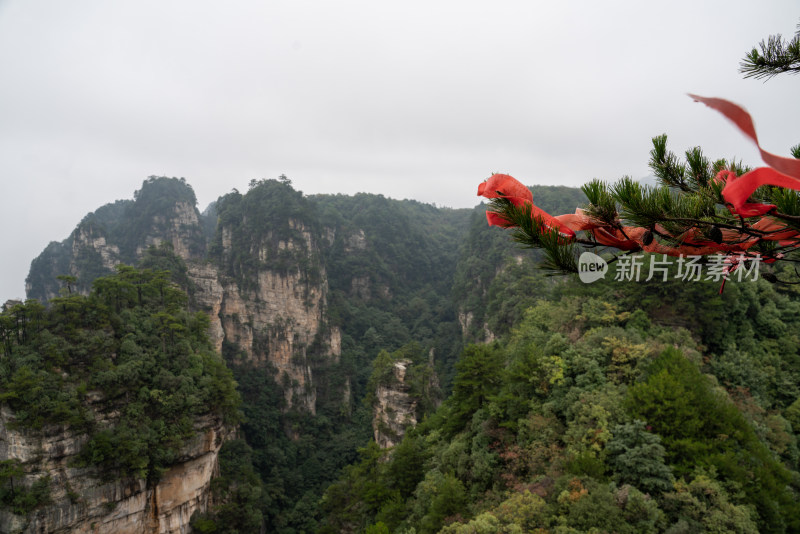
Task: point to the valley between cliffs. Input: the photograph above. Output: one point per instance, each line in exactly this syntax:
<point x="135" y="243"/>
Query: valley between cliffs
<point x="300" y="294"/>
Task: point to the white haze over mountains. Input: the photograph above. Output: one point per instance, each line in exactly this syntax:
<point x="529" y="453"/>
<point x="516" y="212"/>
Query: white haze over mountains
<point x="408" y="99"/>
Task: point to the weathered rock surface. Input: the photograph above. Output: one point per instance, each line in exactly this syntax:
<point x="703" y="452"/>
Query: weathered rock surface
<point x="87" y="238"/>
<point x="277" y="317"/>
<point x="273" y="315"/>
<point x="465" y="320"/>
<point x="83" y="502"/>
<point x="181" y="228"/>
<point x="394" y="409"/>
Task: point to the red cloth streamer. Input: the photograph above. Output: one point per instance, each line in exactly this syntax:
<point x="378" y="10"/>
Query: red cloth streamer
<point x="623" y="238"/>
<point x="784" y="172"/>
<point x="738" y="189"/>
<point x="505" y="186"/>
<point x="742" y="120"/>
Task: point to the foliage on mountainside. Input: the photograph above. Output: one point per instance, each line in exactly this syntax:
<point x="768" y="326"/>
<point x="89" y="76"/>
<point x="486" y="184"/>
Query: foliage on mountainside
<point x="592" y="415"/>
<point x="294" y="454"/>
<point x="271" y="217"/>
<point x="127" y="364"/>
<point x="237" y="491"/>
<point x="494" y="280"/>
<point x="389" y="284"/>
<point x="557" y="423"/>
<point x="124" y="224"/>
<point x="618" y="406"/>
<point x="390" y="267"/>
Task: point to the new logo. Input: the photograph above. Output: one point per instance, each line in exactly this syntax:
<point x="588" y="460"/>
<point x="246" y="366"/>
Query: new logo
<point x="591" y="267"/>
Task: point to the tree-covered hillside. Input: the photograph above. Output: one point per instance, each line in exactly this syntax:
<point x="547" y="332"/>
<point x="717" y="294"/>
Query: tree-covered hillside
<point x="390" y="271"/>
<point x="620" y="406"/>
<point x="119" y="230"/>
<point x="599" y="413"/>
<point x="127" y="366"/>
<point x="388" y="266"/>
<point x="495" y="280"/>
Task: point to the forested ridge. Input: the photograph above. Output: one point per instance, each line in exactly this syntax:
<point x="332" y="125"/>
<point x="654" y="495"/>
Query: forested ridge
<point x="558" y="407"/>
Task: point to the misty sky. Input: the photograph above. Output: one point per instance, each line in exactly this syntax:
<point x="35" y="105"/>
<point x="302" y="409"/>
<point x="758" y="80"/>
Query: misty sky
<point x="409" y="99"/>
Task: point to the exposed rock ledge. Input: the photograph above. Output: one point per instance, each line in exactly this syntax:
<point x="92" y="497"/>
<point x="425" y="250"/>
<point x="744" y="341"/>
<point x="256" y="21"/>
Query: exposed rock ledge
<point x="394" y="409"/>
<point x="83" y="503"/>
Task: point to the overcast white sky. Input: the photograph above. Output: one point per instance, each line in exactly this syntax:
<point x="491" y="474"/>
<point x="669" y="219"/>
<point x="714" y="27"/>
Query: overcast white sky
<point x="410" y="99"/>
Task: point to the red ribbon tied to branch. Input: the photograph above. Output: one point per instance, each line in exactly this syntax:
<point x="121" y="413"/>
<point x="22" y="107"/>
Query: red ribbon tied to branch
<point x="505" y="186"/>
<point x="782" y="172"/>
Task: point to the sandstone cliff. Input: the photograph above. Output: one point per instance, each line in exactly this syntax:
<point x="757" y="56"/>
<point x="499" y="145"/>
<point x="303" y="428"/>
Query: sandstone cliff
<point x="302" y="293"/>
<point x="180" y="227"/>
<point x="83" y="501"/>
<point x="271" y="314"/>
<point x="406" y="387"/>
<point x="394" y="408"/>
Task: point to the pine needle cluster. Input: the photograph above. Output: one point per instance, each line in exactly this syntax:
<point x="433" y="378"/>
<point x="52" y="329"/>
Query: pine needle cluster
<point x="531" y="231"/>
<point x="772" y="57"/>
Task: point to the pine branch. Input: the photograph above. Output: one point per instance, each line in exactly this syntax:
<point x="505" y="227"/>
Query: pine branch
<point x="602" y="205"/>
<point x="776" y="56"/>
<point x="665" y="165"/>
<point x="736" y="167"/>
<point x="532" y="232"/>
<point x="786" y="200"/>
<point x="699" y="167"/>
<point x="687" y="212"/>
<point x="641" y="205"/>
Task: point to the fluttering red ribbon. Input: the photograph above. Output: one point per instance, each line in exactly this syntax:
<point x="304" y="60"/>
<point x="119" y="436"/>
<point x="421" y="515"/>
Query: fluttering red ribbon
<point x="504" y="186"/>
<point x="783" y="172"/>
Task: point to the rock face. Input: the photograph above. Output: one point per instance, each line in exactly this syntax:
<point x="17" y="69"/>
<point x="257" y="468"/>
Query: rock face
<point x="180" y="227"/>
<point x="274" y="322"/>
<point x="83" y="502"/>
<point x="86" y="238"/>
<point x="394" y="409"/>
<point x="268" y="310"/>
<point x="272" y="315"/>
<point x="465" y="321"/>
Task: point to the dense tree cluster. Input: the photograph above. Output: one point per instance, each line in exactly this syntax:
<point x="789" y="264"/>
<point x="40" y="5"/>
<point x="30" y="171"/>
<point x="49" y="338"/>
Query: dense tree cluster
<point x="129" y="348"/>
<point x="592" y="416"/>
